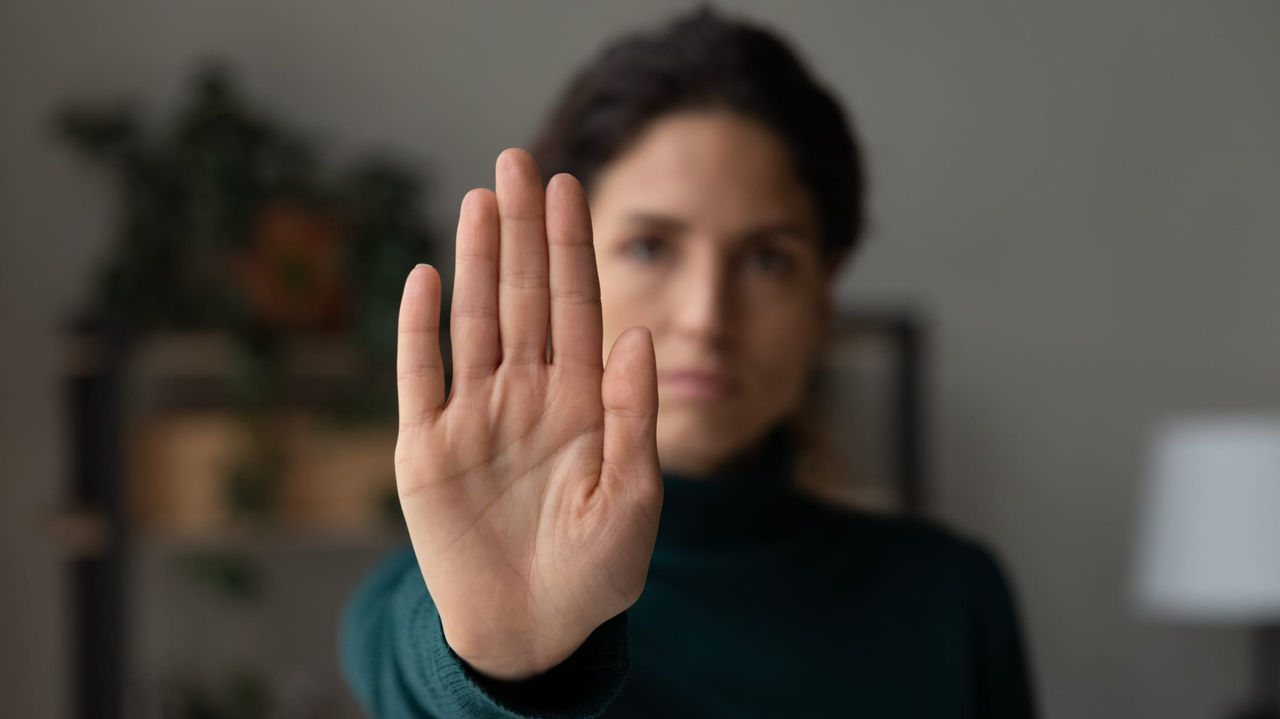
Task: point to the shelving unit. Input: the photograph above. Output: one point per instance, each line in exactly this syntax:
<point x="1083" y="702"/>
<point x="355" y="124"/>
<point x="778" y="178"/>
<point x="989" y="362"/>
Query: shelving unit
<point x="109" y="386"/>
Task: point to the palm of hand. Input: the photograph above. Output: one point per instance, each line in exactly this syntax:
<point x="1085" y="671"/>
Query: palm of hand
<point x="532" y="495"/>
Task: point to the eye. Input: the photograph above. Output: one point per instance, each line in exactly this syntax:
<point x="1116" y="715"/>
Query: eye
<point x="769" y="259"/>
<point x="645" y="248"/>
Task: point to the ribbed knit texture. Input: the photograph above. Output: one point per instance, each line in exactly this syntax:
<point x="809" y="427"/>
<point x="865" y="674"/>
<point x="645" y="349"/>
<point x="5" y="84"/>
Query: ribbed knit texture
<point x="760" y="602"/>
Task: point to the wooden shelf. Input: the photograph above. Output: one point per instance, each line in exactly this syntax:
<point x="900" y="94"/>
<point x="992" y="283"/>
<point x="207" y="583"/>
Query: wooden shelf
<point x="85" y="534"/>
<point x="211" y="354"/>
<point x="278" y="536"/>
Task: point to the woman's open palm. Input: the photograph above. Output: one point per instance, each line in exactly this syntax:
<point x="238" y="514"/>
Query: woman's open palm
<point x="532" y="495"/>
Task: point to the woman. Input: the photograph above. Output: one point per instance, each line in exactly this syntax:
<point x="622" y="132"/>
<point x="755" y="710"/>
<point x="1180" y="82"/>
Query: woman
<point x="704" y="193"/>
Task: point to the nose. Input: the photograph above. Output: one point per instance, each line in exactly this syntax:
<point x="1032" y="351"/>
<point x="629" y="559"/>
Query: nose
<point x="703" y="305"/>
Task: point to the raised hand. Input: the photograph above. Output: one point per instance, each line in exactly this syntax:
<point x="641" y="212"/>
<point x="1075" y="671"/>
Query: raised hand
<point x="532" y="494"/>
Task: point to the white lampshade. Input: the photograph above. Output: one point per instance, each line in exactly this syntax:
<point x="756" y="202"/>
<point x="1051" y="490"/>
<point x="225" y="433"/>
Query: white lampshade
<point x="1208" y="540"/>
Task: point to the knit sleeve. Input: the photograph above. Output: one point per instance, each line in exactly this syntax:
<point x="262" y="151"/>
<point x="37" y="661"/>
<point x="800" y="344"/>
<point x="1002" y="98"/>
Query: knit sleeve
<point x="394" y="657"/>
<point x="1002" y="682"/>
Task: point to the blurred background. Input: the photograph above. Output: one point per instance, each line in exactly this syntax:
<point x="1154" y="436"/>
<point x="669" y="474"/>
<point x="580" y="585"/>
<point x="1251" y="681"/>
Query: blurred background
<point x="1079" y="202"/>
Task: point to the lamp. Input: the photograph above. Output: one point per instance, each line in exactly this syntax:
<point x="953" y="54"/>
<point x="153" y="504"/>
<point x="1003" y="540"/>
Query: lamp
<point x="1208" y="546"/>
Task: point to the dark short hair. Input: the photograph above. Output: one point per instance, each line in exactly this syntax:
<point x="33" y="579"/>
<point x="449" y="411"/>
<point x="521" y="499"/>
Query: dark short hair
<point x="703" y="60"/>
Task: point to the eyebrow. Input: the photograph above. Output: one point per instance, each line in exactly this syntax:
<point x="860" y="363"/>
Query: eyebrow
<point x="675" y="225"/>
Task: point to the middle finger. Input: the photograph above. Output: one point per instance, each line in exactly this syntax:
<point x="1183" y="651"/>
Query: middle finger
<point x="523" y="299"/>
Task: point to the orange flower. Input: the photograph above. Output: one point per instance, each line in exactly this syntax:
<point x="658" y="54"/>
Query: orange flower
<point x="291" y="272"/>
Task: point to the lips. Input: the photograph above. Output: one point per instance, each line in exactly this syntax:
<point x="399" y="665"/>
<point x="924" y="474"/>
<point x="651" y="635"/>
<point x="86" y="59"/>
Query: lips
<point x="698" y="384"/>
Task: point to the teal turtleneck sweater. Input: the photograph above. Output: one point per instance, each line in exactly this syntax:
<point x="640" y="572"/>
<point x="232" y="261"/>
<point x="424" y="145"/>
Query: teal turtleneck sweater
<point x="759" y="602"/>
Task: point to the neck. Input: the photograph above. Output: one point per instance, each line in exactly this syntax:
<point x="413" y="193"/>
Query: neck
<point x="747" y="500"/>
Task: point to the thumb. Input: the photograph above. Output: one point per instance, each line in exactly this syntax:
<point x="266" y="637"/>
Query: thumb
<point x="629" y="392"/>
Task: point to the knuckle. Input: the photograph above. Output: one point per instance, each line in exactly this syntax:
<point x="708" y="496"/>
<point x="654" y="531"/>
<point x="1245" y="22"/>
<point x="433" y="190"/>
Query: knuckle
<point x="523" y="279"/>
<point x="470" y="255"/>
<point x="463" y="311"/>
<point x="580" y="296"/>
<point x="534" y="213"/>
<point x="416" y="373"/>
<point x="464" y="374"/>
<point x="630" y="413"/>
<point x="522" y="351"/>
<point x="573" y="364"/>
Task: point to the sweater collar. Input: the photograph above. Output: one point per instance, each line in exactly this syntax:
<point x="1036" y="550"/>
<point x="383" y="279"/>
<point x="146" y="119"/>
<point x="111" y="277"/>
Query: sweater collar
<point x="748" y="503"/>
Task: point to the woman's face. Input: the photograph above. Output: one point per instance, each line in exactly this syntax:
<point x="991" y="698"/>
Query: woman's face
<point x="704" y="235"/>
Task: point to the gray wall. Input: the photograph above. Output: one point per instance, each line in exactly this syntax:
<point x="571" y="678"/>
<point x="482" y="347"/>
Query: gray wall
<point x="1084" y="197"/>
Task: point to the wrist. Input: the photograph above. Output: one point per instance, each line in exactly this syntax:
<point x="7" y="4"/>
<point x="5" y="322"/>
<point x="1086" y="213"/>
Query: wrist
<point x="583" y="684"/>
<point x="499" y="661"/>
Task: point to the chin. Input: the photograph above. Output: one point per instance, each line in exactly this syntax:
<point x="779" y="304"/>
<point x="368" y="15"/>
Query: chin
<point x="693" y="442"/>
